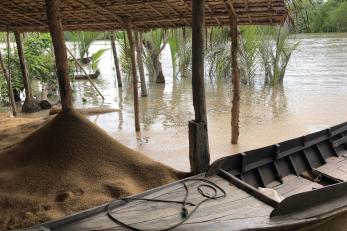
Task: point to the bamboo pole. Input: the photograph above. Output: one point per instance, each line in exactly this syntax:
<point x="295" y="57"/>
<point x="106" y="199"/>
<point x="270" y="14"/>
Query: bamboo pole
<point x="85" y="73"/>
<point x="116" y="61"/>
<point x="235" y="110"/>
<point x="199" y="154"/>
<point x="140" y="63"/>
<point x="9" y="86"/>
<point x="134" y="75"/>
<point x="23" y="66"/>
<point x="57" y="34"/>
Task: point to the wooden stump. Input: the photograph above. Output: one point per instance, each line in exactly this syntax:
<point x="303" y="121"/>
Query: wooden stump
<point x="199" y="154"/>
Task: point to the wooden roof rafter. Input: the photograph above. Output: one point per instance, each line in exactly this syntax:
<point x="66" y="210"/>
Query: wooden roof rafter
<point x="103" y="15"/>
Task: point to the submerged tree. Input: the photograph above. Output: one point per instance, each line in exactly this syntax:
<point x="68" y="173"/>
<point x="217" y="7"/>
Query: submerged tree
<point x="248" y="48"/>
<point x="218" y="52"/>
<point x="275" y="49"/>
<point x="154" y="43"/>
<point x="82" y="42"/>
<point x="181" y="51"/>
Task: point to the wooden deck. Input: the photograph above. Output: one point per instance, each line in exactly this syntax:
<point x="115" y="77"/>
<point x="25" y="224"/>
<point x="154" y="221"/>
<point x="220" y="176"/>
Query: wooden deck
<point x="336" y="167"/>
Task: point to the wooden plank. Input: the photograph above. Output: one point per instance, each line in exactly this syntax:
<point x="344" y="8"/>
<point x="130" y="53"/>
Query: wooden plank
<point x="295" y="184"/>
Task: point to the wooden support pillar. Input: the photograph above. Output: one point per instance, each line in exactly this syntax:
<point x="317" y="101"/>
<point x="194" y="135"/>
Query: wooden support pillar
<point x="235" y="110"/>
<point x="140" y="63"/>
<point x="116" y="61"/>
<point x="23" y="66"/>
<point x="57" y="34"/>
<point x="134" y="75"/>
<point x="9" y="86"/>
<point x="199" y="154"/>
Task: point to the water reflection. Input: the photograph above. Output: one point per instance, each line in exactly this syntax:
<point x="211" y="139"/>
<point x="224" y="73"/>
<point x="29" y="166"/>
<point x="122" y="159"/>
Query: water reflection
<point x="313" y="97"/>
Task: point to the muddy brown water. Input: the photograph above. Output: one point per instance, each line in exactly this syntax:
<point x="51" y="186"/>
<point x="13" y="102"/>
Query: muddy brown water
<point x="313" y="97"/>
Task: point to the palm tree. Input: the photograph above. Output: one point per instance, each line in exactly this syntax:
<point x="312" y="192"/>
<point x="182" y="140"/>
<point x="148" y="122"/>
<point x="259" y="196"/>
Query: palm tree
<point x="275" y="49"/>
<point x="154" y="43"/>
<point x="181" y="51"/>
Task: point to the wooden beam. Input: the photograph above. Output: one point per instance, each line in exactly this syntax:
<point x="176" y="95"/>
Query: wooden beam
<point x="25" y="17"/>
<point x="85" y="73"/>
<point x="9" y="86"/>
<point x="138" y="39"/>
<point x="116" y="61"/>
<point x="199" y="154"/>
<point x="134" y="75"/>
<point x="57" y="34"/>
<point x="232" y="8"/>
<point x="23" y="66"/>
<point x="109" y="13"/>
<point x="235" y="110"/>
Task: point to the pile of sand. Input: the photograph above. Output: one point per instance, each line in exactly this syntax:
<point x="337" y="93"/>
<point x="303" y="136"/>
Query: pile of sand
<point x="14" y="129"/>
<point x="69" y="165"/>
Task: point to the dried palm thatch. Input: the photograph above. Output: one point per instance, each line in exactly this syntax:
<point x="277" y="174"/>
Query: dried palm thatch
<point x="94" y="15"/>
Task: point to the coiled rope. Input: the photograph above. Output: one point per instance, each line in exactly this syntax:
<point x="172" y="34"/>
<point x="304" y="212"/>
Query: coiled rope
<point x="184" y="212"/>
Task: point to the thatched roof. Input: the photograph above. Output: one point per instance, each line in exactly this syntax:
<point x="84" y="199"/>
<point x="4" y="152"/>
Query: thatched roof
<point x="30" y="15"/>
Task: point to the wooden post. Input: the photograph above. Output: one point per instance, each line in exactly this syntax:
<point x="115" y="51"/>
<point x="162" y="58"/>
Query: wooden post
<point x="57" y="34"/>
<point x="235" y="110"/>
<point x="199" y="154"/>
<point x="85" y="73"/>
<point x="116" y="61"/>
<point x="23" y="66"/>
<point x="134" y="75"/>
<point x="9" y="86"/>
<point x="140" y="63"/>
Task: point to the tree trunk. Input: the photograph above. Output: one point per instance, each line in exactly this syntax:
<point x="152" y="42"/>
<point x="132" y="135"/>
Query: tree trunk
<point x="57" y="34"/>
<point x="23" y="66"/>
<point x="29" y="104"/>
<point x="160" y="75"/>
<point x="235" y="111"/>
<point x="140" y="63"/>
<point x="9" y="86"/>
<point x="199" y="154"/>
<point x="116" y="61"/>
<point x="134" y="75"/>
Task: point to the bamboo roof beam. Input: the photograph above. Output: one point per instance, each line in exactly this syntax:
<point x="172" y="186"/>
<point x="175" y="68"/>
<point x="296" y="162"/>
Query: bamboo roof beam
<point x="108" y="12"/>
<point x="101" y="15"/>
<point x="21" y="15"/>
<point x="209" y="8"/>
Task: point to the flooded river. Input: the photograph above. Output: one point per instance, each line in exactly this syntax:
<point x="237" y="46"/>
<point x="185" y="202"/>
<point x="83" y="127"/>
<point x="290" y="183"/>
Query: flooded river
<point x="313" y="97"/>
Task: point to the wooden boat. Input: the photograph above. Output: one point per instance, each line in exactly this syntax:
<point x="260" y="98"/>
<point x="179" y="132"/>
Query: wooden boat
<point x="309" y="172"/>
<point x="80" y="76"/>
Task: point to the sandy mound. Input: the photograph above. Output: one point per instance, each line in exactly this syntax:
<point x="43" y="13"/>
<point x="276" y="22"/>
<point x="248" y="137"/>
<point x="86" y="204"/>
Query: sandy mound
<point x="69" y="165"/>
<point x="13" y="130"/>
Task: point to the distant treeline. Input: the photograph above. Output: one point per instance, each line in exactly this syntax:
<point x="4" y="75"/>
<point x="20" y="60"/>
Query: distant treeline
<point x="313" y="16"/>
